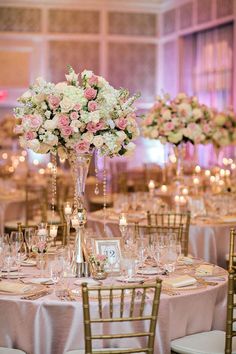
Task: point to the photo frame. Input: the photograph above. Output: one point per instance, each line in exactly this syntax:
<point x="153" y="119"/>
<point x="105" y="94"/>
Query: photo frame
<point x="111" y="248"/>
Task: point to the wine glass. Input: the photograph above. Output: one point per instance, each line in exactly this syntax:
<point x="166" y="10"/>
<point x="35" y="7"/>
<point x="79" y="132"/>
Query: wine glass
<point x="16" y="241"/>
<point x="29" y="234"/>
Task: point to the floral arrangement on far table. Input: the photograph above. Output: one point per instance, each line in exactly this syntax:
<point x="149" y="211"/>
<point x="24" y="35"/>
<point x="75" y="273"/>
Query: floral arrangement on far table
<point x="179" y="120"/>
<point x="224" y="129"/>
<point x="98" y="260"/>
<point x="83" y="113"/>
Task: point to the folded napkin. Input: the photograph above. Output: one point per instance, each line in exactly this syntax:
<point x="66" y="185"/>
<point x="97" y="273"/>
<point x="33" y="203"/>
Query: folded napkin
<point x="10" y="287"/>
<point x="228" y="218"/>
<point x="204" y="269"/>
<point x="181" y="281"/>
<point x="186" y="260"/>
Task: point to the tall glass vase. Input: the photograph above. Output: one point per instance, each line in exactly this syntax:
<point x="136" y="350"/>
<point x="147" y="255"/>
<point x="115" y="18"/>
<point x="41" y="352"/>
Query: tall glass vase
<point x="80" y="165"/>
<point x="180" y="151"/>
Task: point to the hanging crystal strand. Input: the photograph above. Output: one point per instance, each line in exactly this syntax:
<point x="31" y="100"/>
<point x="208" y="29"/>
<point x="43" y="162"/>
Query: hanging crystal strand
<point x="104" y="186"/>
<point x="96" y="190"/>
<point x="54" y="186"/>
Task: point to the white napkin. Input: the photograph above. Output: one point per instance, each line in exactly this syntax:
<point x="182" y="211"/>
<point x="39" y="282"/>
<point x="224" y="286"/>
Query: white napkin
<point x="181" y="281"/>
<point x="204" y="269"/>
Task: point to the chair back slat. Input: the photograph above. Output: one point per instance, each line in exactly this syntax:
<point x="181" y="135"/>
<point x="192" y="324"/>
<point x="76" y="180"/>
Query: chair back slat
<point x="173" y="219"/>
<point x="231" y="305"/>
<point x="124" y="303"/>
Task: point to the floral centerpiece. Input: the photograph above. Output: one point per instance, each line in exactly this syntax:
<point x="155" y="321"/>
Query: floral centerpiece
<point x="77" y="116"/>
<point x="178" y="121"/>
<point x="72" y="119"/>
<point x="224" y="129"/>
<point x="98" y="262"/>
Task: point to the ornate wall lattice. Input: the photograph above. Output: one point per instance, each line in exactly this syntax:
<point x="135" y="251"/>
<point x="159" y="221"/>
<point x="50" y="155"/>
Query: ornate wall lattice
<point x="133" y="66"/>
<point x="204" y="12"/>
<point x="16" y="71"/>
<point x="224" y="8"/>
<point x="134" y="24"/>
<point x="80" y="55"/>
<point x="73" y="21"/>
<point x="186" y="15"/>
<point x="14" y="19"/>
<point x="169" y="22"/>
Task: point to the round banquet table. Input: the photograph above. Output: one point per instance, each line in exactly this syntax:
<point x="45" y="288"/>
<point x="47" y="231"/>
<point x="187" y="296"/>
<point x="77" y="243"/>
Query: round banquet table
<point x="208" y="240"/>
<point x="51" y="326"/>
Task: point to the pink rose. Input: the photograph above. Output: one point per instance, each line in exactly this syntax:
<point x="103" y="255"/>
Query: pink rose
<point x="92" y="106"/>
<point x="121" y="123"/>
<point x="77" y="107"/>
<point x="93" y="80"/>
<point x="169" y="126"/>
<point x="94" y="127"/>
<point x="74" y="115"/>
<point x="18" y="129"/>
<point x="82" y="146"/>
<point x="30" y="135"/>
<point x="90" y="93"/>
<point x="35" y="121"/>
<point x="66" y="131"/>
<point x="148" y="120"/>
<point x="192" y="126"/>
<point x="206" y="128"/>
<point x="53" y="101"/>
<point x="63" y="121"/>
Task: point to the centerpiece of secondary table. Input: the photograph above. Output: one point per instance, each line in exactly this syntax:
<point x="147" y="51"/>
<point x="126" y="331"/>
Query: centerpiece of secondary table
<point x="72" y="119"/>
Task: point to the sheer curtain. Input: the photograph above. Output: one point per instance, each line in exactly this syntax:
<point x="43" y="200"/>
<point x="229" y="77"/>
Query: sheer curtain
<point x="207" y="72"/>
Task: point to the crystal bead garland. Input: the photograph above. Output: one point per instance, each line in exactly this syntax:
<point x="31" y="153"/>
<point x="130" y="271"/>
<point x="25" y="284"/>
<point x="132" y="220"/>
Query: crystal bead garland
<point x="96" y="190"/>
<point x="104" y="186"/>
<point x="53" y="229"/>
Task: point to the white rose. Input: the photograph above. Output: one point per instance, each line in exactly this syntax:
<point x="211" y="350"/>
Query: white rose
<point x="122" y="136"/>
<point x="130" y="146"/>
<point x="26" y="95"/>
<point x="94" y="117"/>
<point x="60" y="87"/>
<point x="186" y="108"/>
<point x="220" y="119"/>
<point x="50" y="124"/>
<point x="88" y="136"/>
<point x="75" y="125"/>
<point x="166" y="114"/>
<point x="66" y="104"/>
<point x="98" y="141"/>
<point x="34" y="145"/>
<point x="197" y="113"/>
<point x="87" y="73"/>
<point x="50" y="139"/>
<point x="181" y="96"/>
<point x="175" y="137"/>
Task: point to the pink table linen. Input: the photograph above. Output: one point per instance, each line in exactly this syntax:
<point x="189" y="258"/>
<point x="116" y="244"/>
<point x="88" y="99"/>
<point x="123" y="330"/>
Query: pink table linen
<point x="51" y="326"/>
<point x="206" y="241"/>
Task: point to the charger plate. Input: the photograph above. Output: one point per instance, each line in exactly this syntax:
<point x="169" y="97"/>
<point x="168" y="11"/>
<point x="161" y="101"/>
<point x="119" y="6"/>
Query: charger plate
<point x="32" y="289"/>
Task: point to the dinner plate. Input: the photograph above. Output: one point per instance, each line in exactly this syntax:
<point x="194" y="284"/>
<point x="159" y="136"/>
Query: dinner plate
<point x="43" y="281"/>
<point x="131" y="280"/>
<point x="149" y="271"/>
<point x="12" y="269"/>
<point x="13" y="275"/>
<point x="89" y="281"/>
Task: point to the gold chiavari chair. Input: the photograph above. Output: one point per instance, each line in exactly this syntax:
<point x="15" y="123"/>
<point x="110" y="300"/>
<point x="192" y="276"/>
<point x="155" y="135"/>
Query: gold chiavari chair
<point x="126" y="309"/>
<point x="153" y="232"/>
<point x="215" y="342"/>
<point x="172" y="219"/>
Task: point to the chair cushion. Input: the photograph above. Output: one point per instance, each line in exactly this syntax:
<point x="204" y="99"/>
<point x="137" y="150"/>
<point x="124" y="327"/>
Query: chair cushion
<point x="202" y="343"/>
<point x="10" y="351"/>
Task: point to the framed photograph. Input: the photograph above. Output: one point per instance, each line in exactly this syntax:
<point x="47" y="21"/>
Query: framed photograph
<point x="110" y="248"/>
